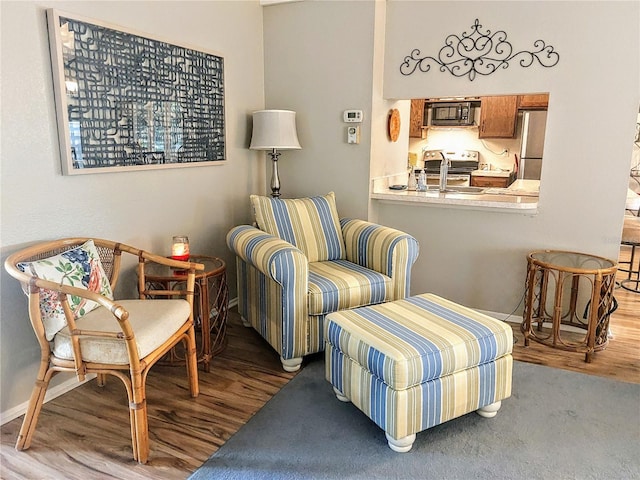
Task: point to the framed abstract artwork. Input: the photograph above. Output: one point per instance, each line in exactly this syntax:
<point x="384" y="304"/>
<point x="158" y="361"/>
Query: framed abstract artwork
<point x="127" y="101"/>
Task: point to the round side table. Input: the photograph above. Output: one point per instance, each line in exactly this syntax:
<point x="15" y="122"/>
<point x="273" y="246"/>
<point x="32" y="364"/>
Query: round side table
<point x="211" y="303"/>
<point x="571" y="289"/>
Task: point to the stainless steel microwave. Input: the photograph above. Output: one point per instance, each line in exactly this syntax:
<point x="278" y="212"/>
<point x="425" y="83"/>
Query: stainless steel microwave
<point x="452" y="114"/>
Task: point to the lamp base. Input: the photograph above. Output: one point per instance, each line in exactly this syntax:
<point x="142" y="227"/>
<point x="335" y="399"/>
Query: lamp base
<point x="275" y="178"/>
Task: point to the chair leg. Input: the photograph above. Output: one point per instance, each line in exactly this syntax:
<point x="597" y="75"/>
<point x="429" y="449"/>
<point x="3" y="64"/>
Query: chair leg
<point x="138" y="414"/>
<point x="101" y="379"/>
<point x="134" y="434"/>
<point x="126" y="380"/>
<point x="291" y="364"/>
<point x="192" y="362"/>
<point x="142" y="432"/>
<point x="33" y="410"/>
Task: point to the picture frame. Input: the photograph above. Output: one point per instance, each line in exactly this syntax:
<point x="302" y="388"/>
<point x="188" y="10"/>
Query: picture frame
<point x="128" y="101"/>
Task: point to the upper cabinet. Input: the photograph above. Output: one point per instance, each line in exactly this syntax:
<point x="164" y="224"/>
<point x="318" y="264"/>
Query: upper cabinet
<point x="416" y="118"/>
<point x="498" y="113"/>
<point x="498" y="116"/>
<point x="534" y="102"/>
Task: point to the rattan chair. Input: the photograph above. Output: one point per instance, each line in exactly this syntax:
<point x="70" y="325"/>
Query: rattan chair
<point x="121" y="338"/>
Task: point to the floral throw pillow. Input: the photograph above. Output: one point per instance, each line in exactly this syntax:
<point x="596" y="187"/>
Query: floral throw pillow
<point x="79" y="267"/>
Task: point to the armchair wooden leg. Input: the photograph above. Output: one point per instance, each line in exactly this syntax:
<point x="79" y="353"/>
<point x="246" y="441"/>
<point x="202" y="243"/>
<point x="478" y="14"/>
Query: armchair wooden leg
<point x="126" y="380"/>
<point x="192" y="362"/>
<point x="101" y="379"/>
<point x="138" y="412"/>
<point x="141" y="431"/>
<point x="134" y="433"/>
<point x="33" y="410"/>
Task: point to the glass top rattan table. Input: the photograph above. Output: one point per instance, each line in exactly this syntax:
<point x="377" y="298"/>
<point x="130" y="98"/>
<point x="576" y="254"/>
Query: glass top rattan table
<point x="210" y="306"/>
<point x="589" y="281"/>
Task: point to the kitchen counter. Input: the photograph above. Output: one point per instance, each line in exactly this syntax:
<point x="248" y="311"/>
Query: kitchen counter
<point x="529" y="188"/>
<point x="523" y="198"/>
<point x="491" y="173"/>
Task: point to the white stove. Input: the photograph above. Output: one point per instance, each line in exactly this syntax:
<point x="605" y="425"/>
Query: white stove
<point x="462" y="163"/>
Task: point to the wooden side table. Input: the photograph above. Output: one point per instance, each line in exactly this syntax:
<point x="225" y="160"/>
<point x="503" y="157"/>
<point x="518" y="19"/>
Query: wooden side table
<point x="589" y="280"/>
<point x="211" y="303"/>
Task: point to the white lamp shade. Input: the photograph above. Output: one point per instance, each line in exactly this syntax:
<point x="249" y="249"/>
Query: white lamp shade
<point x="274" y="129"/>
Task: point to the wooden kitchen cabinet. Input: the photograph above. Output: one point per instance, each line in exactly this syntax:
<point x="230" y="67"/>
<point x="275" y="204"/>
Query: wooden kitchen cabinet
<point x="416" y="118"/>
<point x="491" y="182"/>
<point x="534" y="102"/>
<point x="498" y="116"/>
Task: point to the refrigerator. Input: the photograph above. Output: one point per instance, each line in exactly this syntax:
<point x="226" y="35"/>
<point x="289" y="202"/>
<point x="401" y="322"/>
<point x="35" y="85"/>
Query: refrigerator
<point x="534" y="123"/>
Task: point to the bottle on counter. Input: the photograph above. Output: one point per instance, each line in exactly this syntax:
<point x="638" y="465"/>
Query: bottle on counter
<point x="422" y="182"/>
<point x="412" y="183"/>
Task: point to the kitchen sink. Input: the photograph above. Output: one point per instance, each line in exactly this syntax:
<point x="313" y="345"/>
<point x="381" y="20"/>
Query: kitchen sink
<point x="470" y="190"/>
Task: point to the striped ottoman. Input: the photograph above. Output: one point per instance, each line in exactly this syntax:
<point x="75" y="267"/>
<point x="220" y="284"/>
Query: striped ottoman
<point x="414" y="363"/>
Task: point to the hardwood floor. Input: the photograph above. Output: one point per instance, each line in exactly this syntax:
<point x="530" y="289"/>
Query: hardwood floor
<point x="84" y="434"/>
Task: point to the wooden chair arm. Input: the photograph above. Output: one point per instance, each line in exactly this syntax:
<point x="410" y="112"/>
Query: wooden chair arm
<point x="170" y="262"/>
<point x="189" y="280"/>
<point x="120" y="314"/>
<point x="103" y="301"/>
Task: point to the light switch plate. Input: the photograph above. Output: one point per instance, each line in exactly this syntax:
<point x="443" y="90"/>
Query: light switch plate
<point x="353" y="134"/>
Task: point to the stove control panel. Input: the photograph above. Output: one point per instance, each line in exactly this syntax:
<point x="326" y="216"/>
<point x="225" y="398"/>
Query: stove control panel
<point x="453" y="155"/>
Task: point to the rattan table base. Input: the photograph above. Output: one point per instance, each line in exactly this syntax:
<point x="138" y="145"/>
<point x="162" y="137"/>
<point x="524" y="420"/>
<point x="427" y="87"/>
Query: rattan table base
<point x="589" y="281"/>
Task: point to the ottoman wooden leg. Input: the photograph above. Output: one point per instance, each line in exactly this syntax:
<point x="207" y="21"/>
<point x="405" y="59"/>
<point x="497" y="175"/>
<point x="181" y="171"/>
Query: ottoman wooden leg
<point x="340" y="395"/>
<point x="400" y="445"/>
<point x="489" y="411"/>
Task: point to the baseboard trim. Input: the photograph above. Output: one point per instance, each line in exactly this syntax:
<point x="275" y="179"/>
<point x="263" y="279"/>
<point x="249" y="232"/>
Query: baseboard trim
<point x="503" y="317"/>
<point x="58" y="390"/>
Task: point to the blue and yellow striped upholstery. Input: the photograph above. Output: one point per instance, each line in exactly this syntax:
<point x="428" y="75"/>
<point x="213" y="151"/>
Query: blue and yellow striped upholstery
<point x="341" y="284"/>
<point x="272" y="278"/>
<point x="382" y="249"/>
<point x="286" y="297"/>
<point x="311" y="224"/>
<point x="414" y="363"/>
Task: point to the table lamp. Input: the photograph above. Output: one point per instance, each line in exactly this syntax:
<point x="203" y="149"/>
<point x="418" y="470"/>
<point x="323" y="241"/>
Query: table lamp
<point x="274" y="130"/>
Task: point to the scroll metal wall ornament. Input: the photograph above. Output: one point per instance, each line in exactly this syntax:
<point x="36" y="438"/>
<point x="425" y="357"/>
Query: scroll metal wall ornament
<point x="130" y="102"/>
<point x="479" y="53"/>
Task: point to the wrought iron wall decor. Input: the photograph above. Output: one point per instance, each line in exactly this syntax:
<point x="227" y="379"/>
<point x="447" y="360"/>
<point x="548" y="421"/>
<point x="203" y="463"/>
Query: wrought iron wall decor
<point x="479" y="53"/>
<point x="130" y="102"/>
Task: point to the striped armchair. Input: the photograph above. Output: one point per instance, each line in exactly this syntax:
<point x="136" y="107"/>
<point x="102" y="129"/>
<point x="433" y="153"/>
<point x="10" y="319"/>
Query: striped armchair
<point x="303" y="262"/>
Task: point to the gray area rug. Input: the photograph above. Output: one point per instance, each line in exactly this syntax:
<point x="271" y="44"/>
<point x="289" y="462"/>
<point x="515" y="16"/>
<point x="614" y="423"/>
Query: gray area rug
<point x="556" y="425"/>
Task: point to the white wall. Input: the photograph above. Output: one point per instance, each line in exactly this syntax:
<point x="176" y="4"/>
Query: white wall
<point x="479" y="258"/>
<point x="141" y="208"/>
<point x="318" y="61"/>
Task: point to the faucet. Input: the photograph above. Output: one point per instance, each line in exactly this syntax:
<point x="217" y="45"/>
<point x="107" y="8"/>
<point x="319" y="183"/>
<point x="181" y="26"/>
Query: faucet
<point x="444" y="171"/>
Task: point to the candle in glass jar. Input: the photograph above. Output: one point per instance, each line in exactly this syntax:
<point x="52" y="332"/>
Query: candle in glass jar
<point x="180" y="248"/>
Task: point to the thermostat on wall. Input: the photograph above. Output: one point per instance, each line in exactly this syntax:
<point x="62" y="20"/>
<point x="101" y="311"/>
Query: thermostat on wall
<point x="352" y="116"/>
